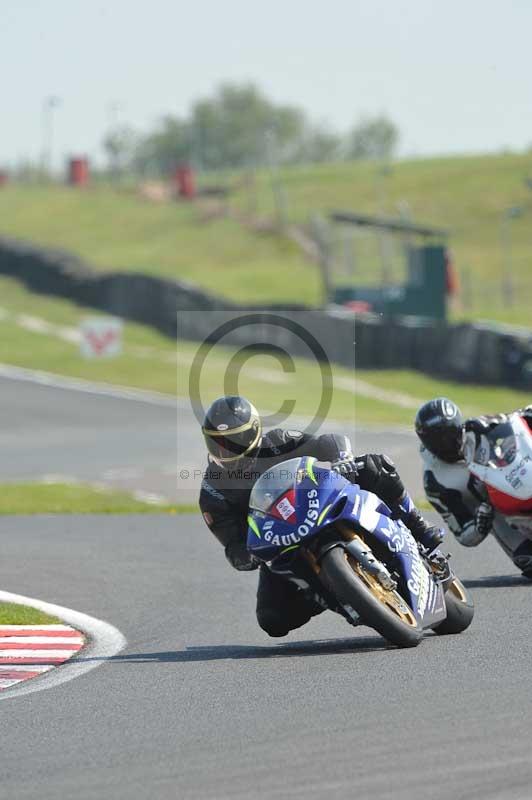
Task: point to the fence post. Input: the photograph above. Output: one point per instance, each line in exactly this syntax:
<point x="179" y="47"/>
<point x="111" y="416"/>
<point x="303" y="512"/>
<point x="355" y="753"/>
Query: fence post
<point x="321" y="234"/>
<point x="506" y="251"/>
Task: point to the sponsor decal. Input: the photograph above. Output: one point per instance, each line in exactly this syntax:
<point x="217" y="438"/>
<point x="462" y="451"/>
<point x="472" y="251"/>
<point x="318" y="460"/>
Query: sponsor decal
<point x="396" y="541"/>
<point x="285" y="508"/>
<point x="418" y="583"/>
<point x="520" y="469"/>
<point x="369" y="517"/>
<point x="208" y="518"/>
<point x="100" y="338"/>
<point x="302" y="530"/>
<point x="395" y="535"/>
<point x="222" y="427"/>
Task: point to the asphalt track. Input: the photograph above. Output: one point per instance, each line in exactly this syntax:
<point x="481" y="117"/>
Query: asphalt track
<point x="202" y="704"/>
<point x="131" y="444"/>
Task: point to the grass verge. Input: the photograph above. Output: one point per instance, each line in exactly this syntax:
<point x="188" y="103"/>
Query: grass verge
<point x="15" y="614"/>
<point x="151" y="361"/>
<point x="468" y="195"/>
<point x="59" y="498"/>
<point x="119" y="230"/>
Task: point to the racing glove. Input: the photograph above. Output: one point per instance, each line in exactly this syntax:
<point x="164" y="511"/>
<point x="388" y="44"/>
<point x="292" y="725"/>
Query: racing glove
<point x="347" y="468"/>
<point x="239" y="556"/>
<point x="482" y="425"/>
<point x="483" y="520"/>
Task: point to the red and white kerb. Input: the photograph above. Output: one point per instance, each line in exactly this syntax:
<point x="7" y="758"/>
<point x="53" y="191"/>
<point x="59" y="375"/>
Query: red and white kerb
<point x="27" y="651"/>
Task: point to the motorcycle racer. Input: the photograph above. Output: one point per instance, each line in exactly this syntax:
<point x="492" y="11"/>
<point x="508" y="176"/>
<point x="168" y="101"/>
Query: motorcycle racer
<point x="458" y="496"/>
<point x="239" y="452"/>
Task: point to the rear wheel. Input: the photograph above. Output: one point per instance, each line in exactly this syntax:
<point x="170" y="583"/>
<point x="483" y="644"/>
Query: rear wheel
<point x="380" y="608"/>
<point x="460" y="609"/>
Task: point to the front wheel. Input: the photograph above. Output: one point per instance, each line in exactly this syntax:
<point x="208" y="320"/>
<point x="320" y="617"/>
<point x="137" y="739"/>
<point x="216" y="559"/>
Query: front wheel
<point x="380" y="608"/>
<point x="460" y="609"/>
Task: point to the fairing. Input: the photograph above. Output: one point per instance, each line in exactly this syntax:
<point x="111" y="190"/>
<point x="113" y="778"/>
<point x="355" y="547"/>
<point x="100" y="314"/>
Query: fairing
<point x="321" y="497"/>
<point x="503" y="462"/>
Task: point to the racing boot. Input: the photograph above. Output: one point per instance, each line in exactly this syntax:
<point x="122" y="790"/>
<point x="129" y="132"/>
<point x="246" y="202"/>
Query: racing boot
<point x="428" y="536"/>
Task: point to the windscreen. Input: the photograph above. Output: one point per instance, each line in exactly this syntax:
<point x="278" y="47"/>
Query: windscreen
<point x="502" y="445"/>
<point x="274" y="484"/>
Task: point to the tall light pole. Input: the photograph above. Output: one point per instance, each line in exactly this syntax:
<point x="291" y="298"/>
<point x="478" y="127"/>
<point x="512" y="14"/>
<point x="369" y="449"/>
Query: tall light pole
<point x="112" y="140"/>
<point x="49" y="104"/>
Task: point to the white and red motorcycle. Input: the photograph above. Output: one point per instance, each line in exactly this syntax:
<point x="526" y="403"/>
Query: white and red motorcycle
<point x="502" y="460"/>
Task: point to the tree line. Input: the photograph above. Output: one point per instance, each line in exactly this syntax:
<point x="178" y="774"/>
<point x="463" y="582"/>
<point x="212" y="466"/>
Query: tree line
<point x="239" y="127"/>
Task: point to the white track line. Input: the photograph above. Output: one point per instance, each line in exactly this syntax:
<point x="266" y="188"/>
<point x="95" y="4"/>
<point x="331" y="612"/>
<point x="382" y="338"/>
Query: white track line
<point x="89" y="387"/>
<point x="40" y="640"/>
<point x="26" y="668"/>
<point x="57" y="381"/>
<point x="36" y="654"/>
<point x="105" y="641"/>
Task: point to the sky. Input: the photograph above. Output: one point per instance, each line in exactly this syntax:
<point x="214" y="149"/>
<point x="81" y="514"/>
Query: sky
<point x="455" y="76"/>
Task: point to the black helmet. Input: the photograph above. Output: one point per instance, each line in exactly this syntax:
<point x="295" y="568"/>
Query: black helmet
<point x="439" y="425"/>
<point x="232" y="430"/>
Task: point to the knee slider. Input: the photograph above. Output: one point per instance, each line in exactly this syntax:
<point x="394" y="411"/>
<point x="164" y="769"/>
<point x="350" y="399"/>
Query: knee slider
<point x="522" y="556"/>
<point x="272" y="624"/>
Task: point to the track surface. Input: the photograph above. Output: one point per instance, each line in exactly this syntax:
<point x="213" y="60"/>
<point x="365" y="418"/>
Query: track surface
<point x="129" y="444"/>
<point x="203" y="705"/>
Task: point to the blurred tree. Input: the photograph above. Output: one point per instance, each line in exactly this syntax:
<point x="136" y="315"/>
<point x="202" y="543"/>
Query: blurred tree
<point x="373" y="138"/>
<point x="239" y="127"/>
<point x="320" y="145"/>
<point x="230" y="128"/>
<point x="162" y="150"/>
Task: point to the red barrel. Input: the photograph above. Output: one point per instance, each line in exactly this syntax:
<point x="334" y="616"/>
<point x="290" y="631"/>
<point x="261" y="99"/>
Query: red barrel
<point x="185" y="181"/>
<point x="78" y="171"/>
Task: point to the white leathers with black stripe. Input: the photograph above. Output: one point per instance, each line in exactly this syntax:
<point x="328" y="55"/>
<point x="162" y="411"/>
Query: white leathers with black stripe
<point x="447" y="487"/>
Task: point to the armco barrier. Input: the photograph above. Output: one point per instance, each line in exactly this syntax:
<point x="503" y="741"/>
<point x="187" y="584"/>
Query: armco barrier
<point x="479" y="353"/>
<point x="134" y="296"/>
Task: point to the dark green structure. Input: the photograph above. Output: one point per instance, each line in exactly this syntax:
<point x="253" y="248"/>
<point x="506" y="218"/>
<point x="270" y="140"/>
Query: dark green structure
<point x="424" y="291"/>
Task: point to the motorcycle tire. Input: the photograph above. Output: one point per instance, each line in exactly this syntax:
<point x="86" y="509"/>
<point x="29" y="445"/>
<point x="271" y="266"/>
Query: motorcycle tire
<point x="382" y="609"/>
<point x="460" y="609"/>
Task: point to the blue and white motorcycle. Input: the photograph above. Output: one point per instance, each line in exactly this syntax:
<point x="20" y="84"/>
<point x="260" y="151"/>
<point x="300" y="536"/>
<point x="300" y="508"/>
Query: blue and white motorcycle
<point x="340" y="544"/>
